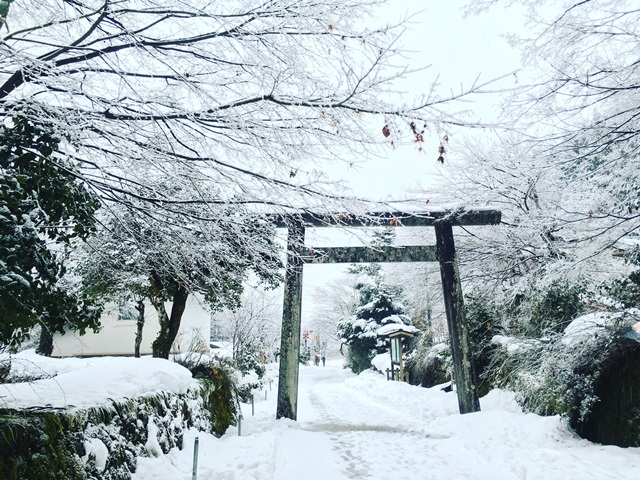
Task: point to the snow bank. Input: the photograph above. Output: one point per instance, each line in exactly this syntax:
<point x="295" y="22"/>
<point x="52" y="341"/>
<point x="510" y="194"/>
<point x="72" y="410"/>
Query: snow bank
<point x="86" y="382"/>
<point x="381" y="362"/>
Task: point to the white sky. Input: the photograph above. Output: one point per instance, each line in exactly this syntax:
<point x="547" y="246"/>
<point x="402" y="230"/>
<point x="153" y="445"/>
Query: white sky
<point x="459" y="51"/>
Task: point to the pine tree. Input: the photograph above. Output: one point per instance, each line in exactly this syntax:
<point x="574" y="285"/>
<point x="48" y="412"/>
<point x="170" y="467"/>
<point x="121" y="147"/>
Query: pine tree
<point x="379" y="305"/>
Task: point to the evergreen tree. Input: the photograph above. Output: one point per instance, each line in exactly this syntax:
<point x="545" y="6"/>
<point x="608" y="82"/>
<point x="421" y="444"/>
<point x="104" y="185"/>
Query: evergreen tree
<point x="378" y="305"/>
<point x="43" y="208"/>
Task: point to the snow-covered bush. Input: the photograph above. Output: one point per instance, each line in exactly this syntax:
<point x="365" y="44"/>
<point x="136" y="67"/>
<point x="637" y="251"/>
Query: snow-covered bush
<point x="548" y="308"/>
<point x="219" y="388"/>
<point x="559" y="374"/>
<point x="248" y="361"/>
<point x="625" y="291"/>
<point x="484" y="320"/>
<point x="430" y="364"/>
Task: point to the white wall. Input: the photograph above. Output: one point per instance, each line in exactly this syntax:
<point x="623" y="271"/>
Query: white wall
<point x="117" y="337"/>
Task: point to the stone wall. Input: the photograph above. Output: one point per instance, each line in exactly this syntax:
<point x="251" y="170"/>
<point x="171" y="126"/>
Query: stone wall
<point x="100" y="443"/>
<point x="615" y="417"/>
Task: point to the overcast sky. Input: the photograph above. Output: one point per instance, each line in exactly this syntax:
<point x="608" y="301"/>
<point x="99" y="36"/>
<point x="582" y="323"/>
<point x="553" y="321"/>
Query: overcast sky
<point x="458" y="52"/>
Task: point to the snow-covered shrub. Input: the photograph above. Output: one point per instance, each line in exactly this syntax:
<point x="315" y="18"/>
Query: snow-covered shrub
<point x="484" y="320"/>
<point x="219" y="389"/>
<point x="559" y="374"/>
<point x="541" y="372"/>
<point x="625" y="292"/>
<point x="247" y="360"/>
<point x="544" y="309"/>
<point x="430" y="364"/>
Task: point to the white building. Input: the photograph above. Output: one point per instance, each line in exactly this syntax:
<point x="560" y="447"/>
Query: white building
<point x="118" y="332"/>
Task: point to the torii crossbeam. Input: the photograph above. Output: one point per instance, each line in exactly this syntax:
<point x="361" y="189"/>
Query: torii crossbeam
<point x="443" y="252"/>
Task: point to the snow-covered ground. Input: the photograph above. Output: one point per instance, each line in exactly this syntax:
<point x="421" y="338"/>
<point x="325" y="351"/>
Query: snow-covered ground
<point x="363" y="427"/>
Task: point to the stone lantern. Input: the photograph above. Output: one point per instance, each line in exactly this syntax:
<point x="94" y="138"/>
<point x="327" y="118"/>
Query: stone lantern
<point x="396" y="332"/>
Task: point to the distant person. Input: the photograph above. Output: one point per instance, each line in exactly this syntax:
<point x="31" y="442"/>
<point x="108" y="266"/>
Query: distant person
<point x="317" y="359"/>
<point x="323" y="360"/>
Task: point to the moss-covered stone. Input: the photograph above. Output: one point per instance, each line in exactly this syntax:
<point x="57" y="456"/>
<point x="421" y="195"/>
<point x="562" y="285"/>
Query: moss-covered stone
<point x="615" y="418"/>
<point x="33" y="446"/>
<point x="49" y="445"/>
<point x="52" y="444"/>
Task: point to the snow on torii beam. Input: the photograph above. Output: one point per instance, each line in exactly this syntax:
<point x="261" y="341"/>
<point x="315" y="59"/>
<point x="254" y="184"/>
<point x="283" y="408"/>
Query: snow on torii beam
<point x="443" y="252"/>
<point x="424" y="218"/>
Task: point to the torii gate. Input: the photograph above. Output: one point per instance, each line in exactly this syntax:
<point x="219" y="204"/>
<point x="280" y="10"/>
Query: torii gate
<point x="443" y="252"/>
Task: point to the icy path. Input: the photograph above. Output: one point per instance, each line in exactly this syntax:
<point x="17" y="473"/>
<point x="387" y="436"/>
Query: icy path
<point x="366" y="428"/>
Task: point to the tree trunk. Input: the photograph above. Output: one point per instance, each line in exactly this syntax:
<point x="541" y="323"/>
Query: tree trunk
<point x="169" y="326"/>
<point x="139" y="327"/>
<point x="45" y="343"/>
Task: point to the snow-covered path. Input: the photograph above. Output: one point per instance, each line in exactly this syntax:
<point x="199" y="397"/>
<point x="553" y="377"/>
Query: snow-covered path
<point x="366" y="428"/>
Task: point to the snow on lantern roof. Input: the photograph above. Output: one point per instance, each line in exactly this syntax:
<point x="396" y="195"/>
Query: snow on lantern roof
<point x="391" y="328"/>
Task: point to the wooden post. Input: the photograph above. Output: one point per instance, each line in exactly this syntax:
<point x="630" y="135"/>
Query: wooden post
<point x="463" y="369"/>
<point x="291" y="319"/>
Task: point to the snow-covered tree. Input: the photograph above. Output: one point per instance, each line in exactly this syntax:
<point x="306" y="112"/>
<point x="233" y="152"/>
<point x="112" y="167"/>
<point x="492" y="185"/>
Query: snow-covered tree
<point x="43" y="209"/>
<point x="379" y="304"/>
<point x="164" y="259"/>
<point x="333" y="302"/>
<point x="250" y="97"/>
<point x="578" y="112"/>
<point x="108" y="267"/>
<point x="253" y="327"/>
<point x="567" y="176"/>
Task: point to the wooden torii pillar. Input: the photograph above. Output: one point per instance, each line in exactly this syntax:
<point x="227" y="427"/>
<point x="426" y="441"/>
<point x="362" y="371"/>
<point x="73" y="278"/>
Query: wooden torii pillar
<point x="444" y="252"/>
